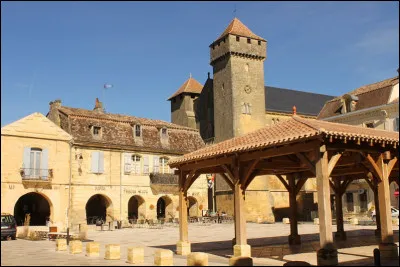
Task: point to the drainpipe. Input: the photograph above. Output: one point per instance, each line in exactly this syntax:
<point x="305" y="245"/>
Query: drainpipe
<point x="69" y="188"/>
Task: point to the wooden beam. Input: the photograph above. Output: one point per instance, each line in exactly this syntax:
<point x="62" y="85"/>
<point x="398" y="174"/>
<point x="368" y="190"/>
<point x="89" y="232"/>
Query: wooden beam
<point x="332" y="162"/>
<point x="375" y="167"/>
<point x="229" y="172"/>
<point x="203" y="163"/>
<point x="307" y="162"/>
<point x="249" y="171"/>
<point x="189" y="179"/>
<point x="300" y="184"/>
<point x="333" y="186"/>
<point x="285" y="184"/>
<point x="250" y="179"/>
<point x="192" y="180"/>
<point x="283" y="150"/>
<point x="371" y="185"/>
<point x="227" y="180"/>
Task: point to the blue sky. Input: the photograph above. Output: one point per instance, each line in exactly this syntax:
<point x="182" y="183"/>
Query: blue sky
<point x="68" y="50"/>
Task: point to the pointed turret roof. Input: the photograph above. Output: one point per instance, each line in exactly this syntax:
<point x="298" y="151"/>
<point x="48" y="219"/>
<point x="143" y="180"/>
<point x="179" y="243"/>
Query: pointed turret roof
<point x="236" y="27"/>
<point x="190" y="86"/>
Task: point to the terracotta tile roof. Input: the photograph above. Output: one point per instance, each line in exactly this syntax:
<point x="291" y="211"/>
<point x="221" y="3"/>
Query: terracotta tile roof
<point x="190" y="86"/>
<point x="370" y="95"/>
<point x="117" y="132"/>
<point x="285" y="132"/>
<point x="236" y="27"/>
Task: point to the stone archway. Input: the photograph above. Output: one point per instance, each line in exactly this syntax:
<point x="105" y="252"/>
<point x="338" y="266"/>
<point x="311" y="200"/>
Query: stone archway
<point x="164" y="208"/>
<point x="99" y="207"/>
<point x="37" y="205"/>
<point x="193" y="210"/>
<point x="136" y="207"/>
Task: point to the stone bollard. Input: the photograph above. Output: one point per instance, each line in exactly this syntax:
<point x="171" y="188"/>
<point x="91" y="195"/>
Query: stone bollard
<point x="75" y="247"/>
<point x="316" y="221"/>
<point x="113" y="252"/>
<point x="240" y="261"/>
<point x="286" y="220"/>
<point x="61" y="244"/>
<point x="354" y="221"/>
<point x="135" y="255"/>
<point x="197" y="259"/>
<point x="163" y="257"/>
<point x="93" y="249"/>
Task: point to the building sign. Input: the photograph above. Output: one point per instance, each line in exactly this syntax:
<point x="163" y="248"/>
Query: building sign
<point x="134" y="191"/>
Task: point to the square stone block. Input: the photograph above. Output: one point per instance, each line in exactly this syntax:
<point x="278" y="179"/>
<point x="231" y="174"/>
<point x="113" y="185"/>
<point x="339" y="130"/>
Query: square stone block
<point x="241" y="251"/>
<point x="197" y="259"/>
<point x="93" y="249"/>
<point x="286" y="220"/>
<point x="61" y="244"/>
<point x="135" y="255"/>
<point x="183" y="248"/>
<point x="395" y="221"/>
<point x="354" y="221"/>
<point x="240" y="261"/>
<point x="75" y="247"/>
<point x="163" y="257"/>
<point x="389" y="251"/>
<point x="113" y="252"/>
<point x="316" y="221"/>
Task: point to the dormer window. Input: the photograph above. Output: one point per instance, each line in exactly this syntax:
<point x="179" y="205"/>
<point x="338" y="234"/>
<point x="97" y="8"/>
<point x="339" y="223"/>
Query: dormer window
<point x="164" y="133"/>
<point x="96" y="130"/>
<point x="138" y="131"/>
<point x="259" y="42"/>
<point x="348" y="104"/>
<point x="248" y="40"/>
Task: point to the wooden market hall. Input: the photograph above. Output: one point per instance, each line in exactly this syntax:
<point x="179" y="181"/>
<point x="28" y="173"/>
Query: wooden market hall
<point x="295" y="150"/>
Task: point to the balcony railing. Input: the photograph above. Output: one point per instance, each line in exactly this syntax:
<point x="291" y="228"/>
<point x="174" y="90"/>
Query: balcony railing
<point x="36" y="174"/>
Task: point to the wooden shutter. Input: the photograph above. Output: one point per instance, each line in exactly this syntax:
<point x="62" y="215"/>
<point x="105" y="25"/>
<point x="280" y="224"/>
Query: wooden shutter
<point x="156" y="164"/>
<point x="44" y="172"/>
<point x="95" y="162"/>
<point x="127" y="163"/>
<point x="138" y="165"/>
<point x="101" y="162"/>
<point x="27" y="161"/>
<point x="146" y="164"/>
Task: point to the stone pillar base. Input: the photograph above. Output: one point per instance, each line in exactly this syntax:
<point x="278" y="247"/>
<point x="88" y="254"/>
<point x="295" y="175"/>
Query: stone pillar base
<point x="197" y="259"/>
<point x="241" y="251"/>
<point x="341" y="235"/>
<point x="113" y="252"/>
<point x="183" y="248"/>
<point x="163" y="257"/>
<point x="327" y="257"/>
<point x="241" y="261"/>
<point x="388" y="251"/>
<point x="294" y="240"/>
<point x="93" y="249"/>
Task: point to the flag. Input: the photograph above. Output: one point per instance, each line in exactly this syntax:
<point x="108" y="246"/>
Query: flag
<point x="107" y="86"/>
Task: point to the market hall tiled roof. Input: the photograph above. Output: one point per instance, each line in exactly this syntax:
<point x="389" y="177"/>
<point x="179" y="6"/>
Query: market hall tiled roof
<point x="190" y="86"/>
<point x="117" y="131"/>
<point x="370" y="95"/>
<point x="288" y="131"/>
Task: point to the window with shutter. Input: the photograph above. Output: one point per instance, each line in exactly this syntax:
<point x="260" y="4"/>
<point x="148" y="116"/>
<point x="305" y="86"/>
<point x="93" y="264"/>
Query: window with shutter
<point x="136" y="164"/>
<point x="146" y="165"/>
<point x="44" y="168"/>
<point x="156" y="164"/>
<point x="27" y="161"/>
<point x="396" y="124"/>
<point x="35" y="162"/>
<point x="163" y="165"/>
<point x="127" y="163"/>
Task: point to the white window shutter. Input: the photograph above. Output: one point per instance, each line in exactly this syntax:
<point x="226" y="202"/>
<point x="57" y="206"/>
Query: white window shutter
<point x="95" y="162"/>
<point x="243" y="108"/>
<point x="27" y="161"/>
<point x="146" y="164"/>
<point x="156" y="164"/>
<point x="101" y="162"/>
<point x="138" y="165"/>
<point x="127" y="163"/>
<point x="249" y="105"/>
<point x="44" y="172"/>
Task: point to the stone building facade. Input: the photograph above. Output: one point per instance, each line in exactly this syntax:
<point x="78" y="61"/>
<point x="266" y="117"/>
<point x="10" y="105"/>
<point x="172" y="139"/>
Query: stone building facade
<point x="374" y="106"/>
<point x="236" y="101"/>
<point x="103" y="166"/>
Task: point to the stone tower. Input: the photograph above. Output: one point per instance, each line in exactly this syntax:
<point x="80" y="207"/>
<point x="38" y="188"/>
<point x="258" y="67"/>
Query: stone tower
<point x="237" y="58"/>
<point x="182" y="103"/>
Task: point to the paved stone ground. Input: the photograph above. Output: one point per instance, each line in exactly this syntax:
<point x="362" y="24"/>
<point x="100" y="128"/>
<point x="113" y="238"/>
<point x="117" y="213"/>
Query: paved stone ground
<point x="268" y="241"/>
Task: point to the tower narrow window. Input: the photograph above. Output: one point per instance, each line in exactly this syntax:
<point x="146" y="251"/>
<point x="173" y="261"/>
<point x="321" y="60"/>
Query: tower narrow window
<point x="248" y="40"/>
<point x="96" y="130"/>
<point x="259" y="42"/>
<point x="137" y="131"/>
<point x="237" y="38"/>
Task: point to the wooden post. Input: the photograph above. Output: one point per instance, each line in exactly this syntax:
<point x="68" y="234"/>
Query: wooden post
<point x="241" y="248"/>
<point x="183" y="245"/>
<point x="340" y="233"/>
<point x="377" y="212"/>
<point x="294" y="238"/>
<point x="327" y="254"/>
<point x="387" y="247"/>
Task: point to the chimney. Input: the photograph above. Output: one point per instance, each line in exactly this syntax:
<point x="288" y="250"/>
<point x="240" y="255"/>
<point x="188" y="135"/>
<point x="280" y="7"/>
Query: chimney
<point x="98" y="107"/>
<point x="54" y="115"/>
<point x="55" y="104"/>
<point x="208" y="75"/>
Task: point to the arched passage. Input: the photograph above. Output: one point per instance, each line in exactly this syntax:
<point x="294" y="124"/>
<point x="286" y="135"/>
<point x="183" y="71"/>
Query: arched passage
<point x="164" y="207"/>
<point x="136" y="208"/>
<point x="35" y="204"/>
<point x="98" y="207"/>
<point x="192" y="207"/>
